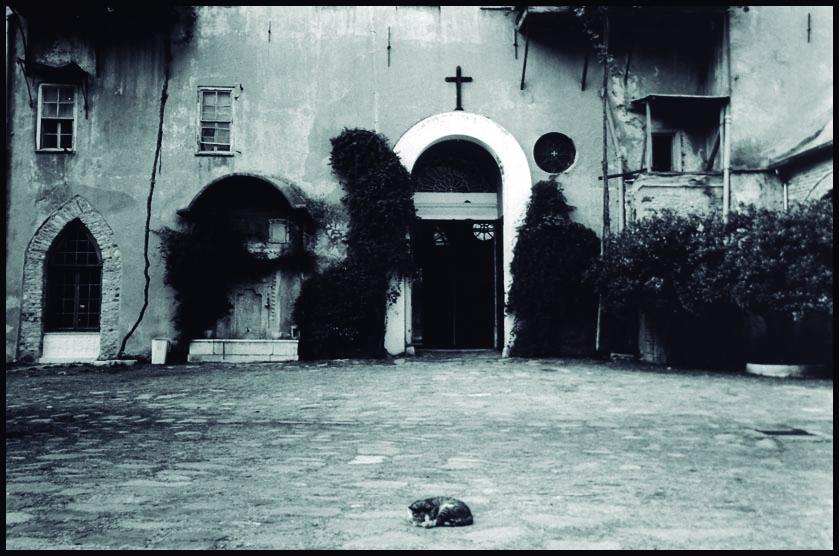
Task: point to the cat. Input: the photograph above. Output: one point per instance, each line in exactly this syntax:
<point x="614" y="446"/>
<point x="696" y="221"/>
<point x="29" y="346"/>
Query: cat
<point x="440" y="511"/>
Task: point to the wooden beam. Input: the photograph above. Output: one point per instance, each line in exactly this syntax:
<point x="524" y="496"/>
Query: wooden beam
<point x="714" y="150"/>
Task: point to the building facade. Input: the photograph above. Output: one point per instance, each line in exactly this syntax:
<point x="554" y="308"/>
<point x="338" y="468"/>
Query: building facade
<point x="706" y="109"/>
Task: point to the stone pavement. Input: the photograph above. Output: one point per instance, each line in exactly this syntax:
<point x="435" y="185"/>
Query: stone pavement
<point x="554" y="454"/>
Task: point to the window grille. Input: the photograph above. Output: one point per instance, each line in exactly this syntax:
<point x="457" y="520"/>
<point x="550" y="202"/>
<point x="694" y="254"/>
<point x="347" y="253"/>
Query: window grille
<point x="74" y="281"/>
<point x="215" y="120"/>
<point x="56" y="117"/>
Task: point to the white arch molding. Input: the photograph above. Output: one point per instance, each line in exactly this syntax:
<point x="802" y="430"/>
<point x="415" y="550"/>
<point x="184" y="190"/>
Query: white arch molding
<point x="515" y="191"/>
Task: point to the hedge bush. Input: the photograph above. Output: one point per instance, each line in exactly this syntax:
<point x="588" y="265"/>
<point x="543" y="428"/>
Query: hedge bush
<point x="555" y="308"/>
<point x="341" y="311"/>
<point x="702" y="279"/>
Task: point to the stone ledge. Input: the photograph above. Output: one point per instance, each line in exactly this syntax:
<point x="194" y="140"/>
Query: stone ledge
<point x="242" y="351"/>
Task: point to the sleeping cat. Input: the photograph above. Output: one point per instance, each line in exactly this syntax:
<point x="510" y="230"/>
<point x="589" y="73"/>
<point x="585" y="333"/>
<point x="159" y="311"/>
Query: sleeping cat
<point x="440" y="511"/>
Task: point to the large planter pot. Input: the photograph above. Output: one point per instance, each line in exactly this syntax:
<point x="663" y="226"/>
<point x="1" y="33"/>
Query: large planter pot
<point x="783" y="370"/>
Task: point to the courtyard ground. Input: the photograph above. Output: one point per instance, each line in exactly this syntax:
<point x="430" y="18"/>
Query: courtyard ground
<point x="554" y="454"/>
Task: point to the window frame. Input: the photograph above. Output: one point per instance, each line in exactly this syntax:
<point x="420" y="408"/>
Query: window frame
<point x="199" y="105"/>
<point x="672" y="134"/>
<point x="40" y="118"/>
<point x="86" y="274"/>
<point x="287" y="234"/>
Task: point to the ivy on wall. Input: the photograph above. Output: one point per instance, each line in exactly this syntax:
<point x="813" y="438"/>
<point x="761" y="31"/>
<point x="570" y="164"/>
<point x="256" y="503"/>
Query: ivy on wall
<point x="554" y="306"/>
<point x="341" y="311"/>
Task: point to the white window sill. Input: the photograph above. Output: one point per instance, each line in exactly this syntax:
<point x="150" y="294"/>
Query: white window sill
<point x="215" y="153"/>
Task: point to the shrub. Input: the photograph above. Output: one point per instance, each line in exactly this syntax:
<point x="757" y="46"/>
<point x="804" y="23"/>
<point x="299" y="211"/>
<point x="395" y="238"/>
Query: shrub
<point x="783" y="261"/>
<point x="701" y="278"/>
<point x="555" y="308"/>
<point x="782" y="267"/>
<point x="341" y="311"/>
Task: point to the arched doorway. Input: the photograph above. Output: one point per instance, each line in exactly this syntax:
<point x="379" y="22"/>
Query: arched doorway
<point x="455" y="296"/>
<point x="271" y="218"/>
<point x="511" y="202"/>
<point x="62" y="251"/>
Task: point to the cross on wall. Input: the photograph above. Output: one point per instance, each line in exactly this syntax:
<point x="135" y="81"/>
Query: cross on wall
<point x="458" y="79"/>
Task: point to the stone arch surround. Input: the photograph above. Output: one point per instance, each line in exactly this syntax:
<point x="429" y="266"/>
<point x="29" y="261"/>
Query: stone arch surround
<point x="30" y="339"/>
<point x="516" y="184"/>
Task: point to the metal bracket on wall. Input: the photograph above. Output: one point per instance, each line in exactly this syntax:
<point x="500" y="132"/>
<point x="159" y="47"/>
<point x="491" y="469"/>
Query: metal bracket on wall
<point x="85" y="86"/>
<point x="524" y="64"/>
<point x="22" y="64"/>
<point x="515" y="43"/>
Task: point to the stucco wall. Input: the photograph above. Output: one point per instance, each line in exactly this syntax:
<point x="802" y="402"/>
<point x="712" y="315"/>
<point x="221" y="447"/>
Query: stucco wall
<point x="782" y="85"/>
<point x="324" y="68"/>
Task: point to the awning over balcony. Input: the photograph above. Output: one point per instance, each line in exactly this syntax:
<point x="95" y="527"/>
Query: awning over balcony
<point x="669" y="102"/>
<point x="541" y="13"/>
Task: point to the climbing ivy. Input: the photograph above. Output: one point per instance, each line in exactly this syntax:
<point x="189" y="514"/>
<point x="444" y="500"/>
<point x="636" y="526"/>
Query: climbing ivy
<point x="554" y="306"/>
<point x="341" y="311"/>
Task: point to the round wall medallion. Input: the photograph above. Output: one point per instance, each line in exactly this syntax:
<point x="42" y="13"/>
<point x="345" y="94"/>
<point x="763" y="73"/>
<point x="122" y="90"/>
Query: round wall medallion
<point x="554" y="152"/>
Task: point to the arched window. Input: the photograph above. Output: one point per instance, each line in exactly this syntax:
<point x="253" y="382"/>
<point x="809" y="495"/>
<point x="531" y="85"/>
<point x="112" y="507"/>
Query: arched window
<point x="74" y="281"/>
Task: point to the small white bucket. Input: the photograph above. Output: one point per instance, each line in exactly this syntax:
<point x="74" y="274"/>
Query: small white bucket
<point x="159" y="349"/>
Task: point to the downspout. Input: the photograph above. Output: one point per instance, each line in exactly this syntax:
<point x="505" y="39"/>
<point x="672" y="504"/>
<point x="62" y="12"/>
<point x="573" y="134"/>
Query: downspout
<point x="726" y="123"/>
<point x="726" y="163"/>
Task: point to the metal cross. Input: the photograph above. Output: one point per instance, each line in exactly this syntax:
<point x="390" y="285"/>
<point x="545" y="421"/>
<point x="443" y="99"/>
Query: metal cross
<point x="457" y="80"/>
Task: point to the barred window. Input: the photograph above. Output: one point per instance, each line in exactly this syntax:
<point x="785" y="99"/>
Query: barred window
<point x="215" y="120"/>
<point x="56" y="118"/>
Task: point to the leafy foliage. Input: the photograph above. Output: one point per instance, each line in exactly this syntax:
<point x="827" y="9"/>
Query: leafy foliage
<point x="549" y="295"/>
<point x="204" y="261"/>
<point x="668" y="264"/>
<point x="783" y="261"/>
<point x="702" y="278"/>
<point x="341" y="311"/>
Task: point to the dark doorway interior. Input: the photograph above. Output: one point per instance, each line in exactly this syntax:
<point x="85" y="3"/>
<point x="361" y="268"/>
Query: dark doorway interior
<point x="454" y="301"/>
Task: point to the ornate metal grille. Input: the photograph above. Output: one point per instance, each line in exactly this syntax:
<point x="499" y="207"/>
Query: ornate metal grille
<point x="554" y="152"/>
<point x="456" y="166"/>
<point x="484" y="231"/>
<point x="74" y="281"/>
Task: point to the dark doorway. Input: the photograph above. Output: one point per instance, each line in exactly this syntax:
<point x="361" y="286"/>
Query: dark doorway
<point x="455" y="297"/>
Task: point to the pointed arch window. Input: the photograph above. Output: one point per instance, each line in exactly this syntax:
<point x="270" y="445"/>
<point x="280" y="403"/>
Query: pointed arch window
<point x="74" y="281"/>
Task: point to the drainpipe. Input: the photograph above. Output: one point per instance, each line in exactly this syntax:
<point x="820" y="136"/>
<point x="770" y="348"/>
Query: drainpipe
<point x="726" y="123"/>
<point x="726" y="163"/>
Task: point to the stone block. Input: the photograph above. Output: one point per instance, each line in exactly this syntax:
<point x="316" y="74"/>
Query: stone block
<point x="201" y="347"/>
<point x="285" y="347"/>
<point x="246" y="347"/>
